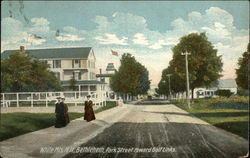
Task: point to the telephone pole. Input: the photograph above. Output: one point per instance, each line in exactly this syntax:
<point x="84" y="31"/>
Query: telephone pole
<point x="187" y="77"/>
<point x="169" y="87"/>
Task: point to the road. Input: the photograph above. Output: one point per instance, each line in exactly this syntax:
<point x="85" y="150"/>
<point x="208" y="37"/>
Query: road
<point x="162" y="131"/>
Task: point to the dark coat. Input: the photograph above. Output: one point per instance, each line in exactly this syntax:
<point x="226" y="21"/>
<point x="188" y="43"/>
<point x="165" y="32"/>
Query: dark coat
<point x="66" y="115"/>
<point x="89" y="112"/>
<point x="60" y="118"/>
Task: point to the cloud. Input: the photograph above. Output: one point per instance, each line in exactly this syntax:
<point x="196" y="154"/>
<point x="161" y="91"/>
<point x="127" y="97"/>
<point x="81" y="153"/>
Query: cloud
<point x="15" y="34"/>
<point x="140" y="39"/>
<point x="68" y="37"/>
<point x="39" y="26"/>
<point x="160" y="43"/>
<point x="111" y="39"/>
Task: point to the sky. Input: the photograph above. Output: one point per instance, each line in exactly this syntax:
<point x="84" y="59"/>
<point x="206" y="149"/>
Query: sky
<point x="146" y="29"/>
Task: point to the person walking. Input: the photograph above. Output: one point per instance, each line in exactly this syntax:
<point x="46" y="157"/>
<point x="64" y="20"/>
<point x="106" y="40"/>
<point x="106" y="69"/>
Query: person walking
<point x="65" y="106"/>
<point x="59" y="111"/>
<point x="88" y="108"/>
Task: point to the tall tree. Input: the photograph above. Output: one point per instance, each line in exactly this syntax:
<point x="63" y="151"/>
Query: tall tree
<point x="132" y="77"/>
<point x="205" y="65"/>
<point x="177" y="84"/>
<point x="20" y="72"/>
<point x="242" y="72"/>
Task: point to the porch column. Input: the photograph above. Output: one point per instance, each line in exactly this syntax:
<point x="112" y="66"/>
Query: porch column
<point x="88" y="89"/>
<point x="79" y="88"/>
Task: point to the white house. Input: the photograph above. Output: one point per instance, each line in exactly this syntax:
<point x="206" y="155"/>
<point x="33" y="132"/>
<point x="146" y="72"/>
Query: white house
<point x="227" y="84"/>
<point x="105" y="77"/>
<point x="68" y="63"/>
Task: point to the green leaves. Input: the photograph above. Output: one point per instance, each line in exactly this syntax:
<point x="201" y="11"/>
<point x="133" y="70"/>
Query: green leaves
<point x="22" y="73"/>
<point x="132" y="77"/>
<point x="242" y="71"/>
<point x="204" y="64"/>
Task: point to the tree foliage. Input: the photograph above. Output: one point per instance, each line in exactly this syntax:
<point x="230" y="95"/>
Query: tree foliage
<point x="242" y="72"/>
<point x="177" y="84"/>
<point x="132" y="77"/>
<point x="223" y="93"/>
<point x="204" y="64"/>
<point x="20" y="73"/>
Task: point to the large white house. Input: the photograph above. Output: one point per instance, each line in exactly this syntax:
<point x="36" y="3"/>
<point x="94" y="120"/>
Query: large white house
<point x="67" y="63"/>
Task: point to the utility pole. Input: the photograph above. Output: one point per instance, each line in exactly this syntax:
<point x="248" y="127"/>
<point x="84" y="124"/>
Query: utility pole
<point x="187" y="77"/>
<point x="169" y="87"/>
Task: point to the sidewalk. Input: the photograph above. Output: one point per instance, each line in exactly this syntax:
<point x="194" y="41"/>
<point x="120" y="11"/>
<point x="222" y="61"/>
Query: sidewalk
<point x="30" y="144"/>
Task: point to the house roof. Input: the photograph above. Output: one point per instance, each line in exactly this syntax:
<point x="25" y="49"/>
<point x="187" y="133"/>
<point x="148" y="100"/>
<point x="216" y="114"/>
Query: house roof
<point x="83" y="82"/>
<point x="80" y="52"/>
<point x="104" y="75"/>
<point x="110" y="67"/>
<point x="227" y="83"/>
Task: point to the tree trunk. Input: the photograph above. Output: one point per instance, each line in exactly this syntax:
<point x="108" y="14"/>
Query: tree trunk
<point x="192" y="94"/>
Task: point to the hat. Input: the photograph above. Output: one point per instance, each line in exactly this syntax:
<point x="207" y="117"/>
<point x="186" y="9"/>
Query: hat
<point x="63" y="97"/>
<point x="58" y="98"/>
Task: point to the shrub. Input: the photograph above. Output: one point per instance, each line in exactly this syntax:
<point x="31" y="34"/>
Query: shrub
<point x="223" y="93"/>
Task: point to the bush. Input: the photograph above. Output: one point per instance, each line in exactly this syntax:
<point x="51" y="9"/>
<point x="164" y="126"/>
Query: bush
<point x="223" y="93"/>
<point x="242" y="92"/>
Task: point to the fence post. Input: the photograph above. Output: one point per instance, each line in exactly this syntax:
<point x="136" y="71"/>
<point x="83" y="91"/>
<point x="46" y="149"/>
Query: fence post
<point x="46" y="100"/>
<point x="4" y="100"/>
<point x="17" y="100"/>
<point x="31" y="97"/>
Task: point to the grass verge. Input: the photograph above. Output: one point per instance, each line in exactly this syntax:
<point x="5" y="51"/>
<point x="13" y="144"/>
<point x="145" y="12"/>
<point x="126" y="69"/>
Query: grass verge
<point x="15" y="124"/>
<point x="230" y="114"/>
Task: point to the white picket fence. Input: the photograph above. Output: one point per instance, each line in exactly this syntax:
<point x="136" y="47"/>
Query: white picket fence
<point x="47" y="98"/>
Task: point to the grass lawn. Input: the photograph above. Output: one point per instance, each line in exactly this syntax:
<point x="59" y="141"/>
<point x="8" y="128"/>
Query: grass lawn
<point x="230" y="114"/>
<point x="15" y="124"/>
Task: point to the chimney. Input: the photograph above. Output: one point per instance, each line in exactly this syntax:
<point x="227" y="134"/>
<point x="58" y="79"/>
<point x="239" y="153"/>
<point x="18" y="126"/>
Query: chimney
<point x="100" y="71"/>
<point x="22" y="49"/>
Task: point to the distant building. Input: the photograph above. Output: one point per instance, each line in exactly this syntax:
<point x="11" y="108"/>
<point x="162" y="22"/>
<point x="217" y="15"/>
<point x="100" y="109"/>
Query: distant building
<point x="227" y="84"/>
<point x="67" y="63"/>
<point x="105" y="77"/>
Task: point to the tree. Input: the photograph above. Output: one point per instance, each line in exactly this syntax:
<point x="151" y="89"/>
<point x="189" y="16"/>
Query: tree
<point x="177" y="84"/>
<point x="242" y="72"/>
<point x="205" y="65"/>
<point x="25" y="73"/>
<point x="72" y="83"/>
<point x="132" y="77"/>
<point x="144" y="83"/>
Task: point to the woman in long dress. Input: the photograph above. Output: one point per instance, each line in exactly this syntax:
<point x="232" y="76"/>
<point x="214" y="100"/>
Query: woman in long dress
<point x="89" y="112"/>
<point x="66" y="115"/>
<point x="60" y="118"/>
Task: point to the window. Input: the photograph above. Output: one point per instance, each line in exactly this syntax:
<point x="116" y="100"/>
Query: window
<point x="57" y="74"/>
<point x="45" y="61"/>
<point x="77" y="75"/>
<point x="56" y="63"/>
<point x="76" y="63"/>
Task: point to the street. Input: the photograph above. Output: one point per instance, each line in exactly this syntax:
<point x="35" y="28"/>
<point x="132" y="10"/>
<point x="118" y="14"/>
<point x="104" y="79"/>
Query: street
<point x="162" y="131"/>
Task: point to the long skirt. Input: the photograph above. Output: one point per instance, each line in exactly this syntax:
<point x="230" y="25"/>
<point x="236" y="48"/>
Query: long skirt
<point x="60" y="121"/>
<point x="89" y="114"/>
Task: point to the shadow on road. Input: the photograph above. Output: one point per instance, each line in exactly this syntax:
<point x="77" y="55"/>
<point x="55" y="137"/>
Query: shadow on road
<point x="153" y="102"/>
<point x="188" y="140"/>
